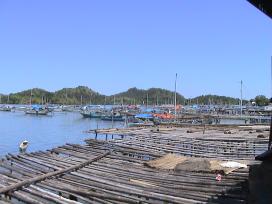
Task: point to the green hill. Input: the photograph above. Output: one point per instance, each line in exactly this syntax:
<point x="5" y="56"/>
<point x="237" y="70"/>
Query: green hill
<point x="153" y="95"/>
<point x="216" y="100"/>
<point x="23" y="97"/>
<point x="85" y="95"/>
<point x="78" y="95"/>
<point x="64" y="96"/>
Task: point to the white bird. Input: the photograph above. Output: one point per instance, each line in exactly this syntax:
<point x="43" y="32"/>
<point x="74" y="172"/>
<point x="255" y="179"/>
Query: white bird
<point x="23" y="146"/>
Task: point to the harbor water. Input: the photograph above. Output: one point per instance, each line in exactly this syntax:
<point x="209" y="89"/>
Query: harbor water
<point x="46" y="132"/>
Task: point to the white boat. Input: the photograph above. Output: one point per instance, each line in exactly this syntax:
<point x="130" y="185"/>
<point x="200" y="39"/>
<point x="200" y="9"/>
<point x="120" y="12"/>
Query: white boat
<point x="37" y="110"/>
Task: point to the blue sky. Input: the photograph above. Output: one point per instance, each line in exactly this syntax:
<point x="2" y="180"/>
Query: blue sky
<point x="111" y="46"/>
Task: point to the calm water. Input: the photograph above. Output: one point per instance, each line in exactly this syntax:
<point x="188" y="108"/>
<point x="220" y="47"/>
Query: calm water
<point x="45" y="132"/>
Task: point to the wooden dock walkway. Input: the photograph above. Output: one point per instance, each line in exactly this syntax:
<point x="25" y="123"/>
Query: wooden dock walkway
<point x="114" y="171"/>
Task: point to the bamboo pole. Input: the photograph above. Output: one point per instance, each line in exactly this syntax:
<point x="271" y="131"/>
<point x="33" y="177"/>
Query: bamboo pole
<point x="48" y="175"/>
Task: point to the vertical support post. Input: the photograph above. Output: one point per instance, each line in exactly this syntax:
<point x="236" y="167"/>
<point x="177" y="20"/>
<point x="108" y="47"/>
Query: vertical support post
<point x="270" y="135"/>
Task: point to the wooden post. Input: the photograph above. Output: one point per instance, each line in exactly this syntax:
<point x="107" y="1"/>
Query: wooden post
<point x="204" y="128"/>
<point x="270" y="135"/>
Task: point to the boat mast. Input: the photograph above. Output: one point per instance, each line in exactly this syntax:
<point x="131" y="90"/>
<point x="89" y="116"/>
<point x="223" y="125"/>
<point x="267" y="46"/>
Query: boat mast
<point x="241" y="100"/>
<point x="270" y="135"/>
<point x="176" y="96"/>
<point x="271" y="81"/>
<point x="30" y="100"/>
<point x="66" y="97"/>
<point x="147" y="100"/>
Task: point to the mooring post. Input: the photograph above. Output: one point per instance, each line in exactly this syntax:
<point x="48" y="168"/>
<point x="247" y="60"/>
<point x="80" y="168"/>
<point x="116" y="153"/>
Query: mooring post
<point x="95" y="135"/>
<point x="106" y="137"/>
<point x="270" y="133"/>
<point x="204" y="129"/>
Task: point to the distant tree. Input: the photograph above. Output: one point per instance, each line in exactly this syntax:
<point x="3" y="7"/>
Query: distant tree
<point x="261" y="100"/>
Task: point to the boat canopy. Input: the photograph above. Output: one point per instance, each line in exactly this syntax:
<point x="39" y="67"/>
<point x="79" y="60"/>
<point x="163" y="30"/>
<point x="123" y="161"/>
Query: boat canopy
<point x="36" y="107"/>
<point x="144" y="116"/>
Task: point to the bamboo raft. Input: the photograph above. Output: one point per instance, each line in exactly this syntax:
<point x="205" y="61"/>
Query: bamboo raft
<point x="114" y="171"/>
<point x="239" y="143"/>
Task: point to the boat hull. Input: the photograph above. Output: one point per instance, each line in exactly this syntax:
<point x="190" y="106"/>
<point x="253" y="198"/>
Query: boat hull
<point x="109" y="118"/>
<point x="33" y="112"/>
<point x="90" y="115"/>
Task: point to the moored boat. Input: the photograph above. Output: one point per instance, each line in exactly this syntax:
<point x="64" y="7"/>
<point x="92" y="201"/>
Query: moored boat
<point x="92" y="111"/>
<point x="91" y="114"/>
<point x="37" y="110"/>
<point x="113" y="118"/>
<point x="141" y="120"/>
<point x="5" y="108"/>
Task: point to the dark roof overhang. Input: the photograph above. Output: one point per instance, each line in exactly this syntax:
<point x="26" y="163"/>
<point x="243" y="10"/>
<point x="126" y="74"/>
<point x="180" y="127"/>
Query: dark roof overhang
<point x="264" y="5"/>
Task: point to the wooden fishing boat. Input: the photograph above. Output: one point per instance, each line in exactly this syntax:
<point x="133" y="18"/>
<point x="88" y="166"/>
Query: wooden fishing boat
<point x="113" y="118"/>
<point x="5" y="108"/>
<point x="92" y="111"/>
<point x="37" y="110"/>
<point x="91" y="114"/>
<point x="136" y="122"/>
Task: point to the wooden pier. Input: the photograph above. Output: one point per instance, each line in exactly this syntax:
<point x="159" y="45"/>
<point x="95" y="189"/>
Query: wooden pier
<point x="114" y="171"/>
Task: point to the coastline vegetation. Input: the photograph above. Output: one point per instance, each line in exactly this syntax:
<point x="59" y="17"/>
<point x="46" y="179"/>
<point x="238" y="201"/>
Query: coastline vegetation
<point x="83" y="95"/>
